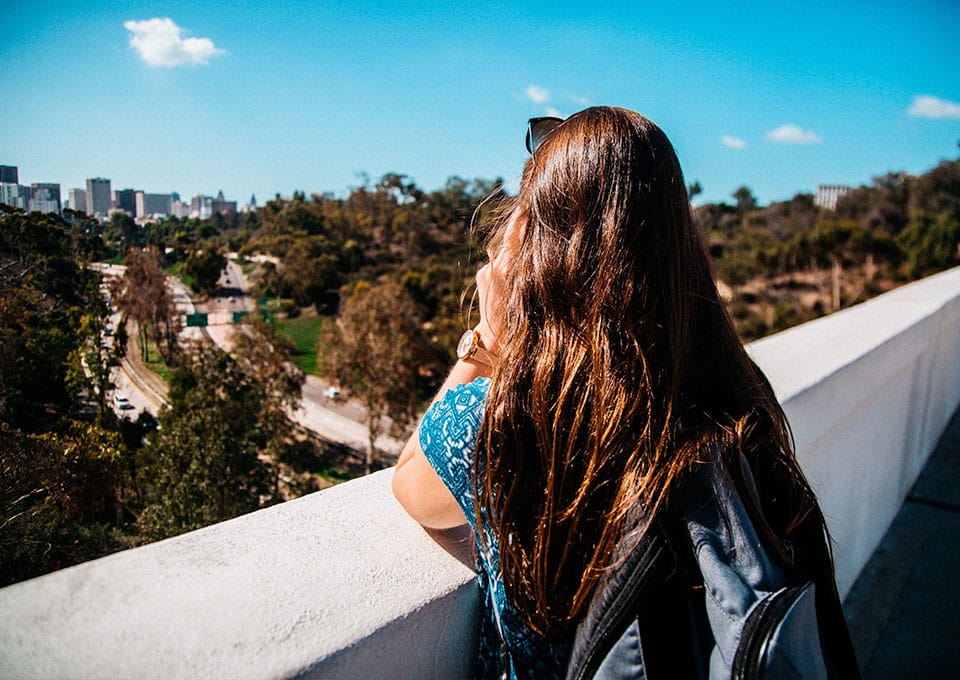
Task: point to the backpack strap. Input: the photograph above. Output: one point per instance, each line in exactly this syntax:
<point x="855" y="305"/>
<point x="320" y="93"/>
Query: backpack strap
<point x="613" y="605"/>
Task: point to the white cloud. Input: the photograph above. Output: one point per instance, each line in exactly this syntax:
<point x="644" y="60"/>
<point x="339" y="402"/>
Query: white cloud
<point x="537" y="94"/>
<point x="791" y="134"/>
<point x="925" y="106"/>
<point x="733" y="142"/>
<point x="160" y="43"/>
<point x="550" y="111"/>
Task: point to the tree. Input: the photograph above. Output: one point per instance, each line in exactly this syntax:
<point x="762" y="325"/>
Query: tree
<point x="204" y="268"/>
<point x="203" y="464"/>
<point x="89" y="363"/>
<point x="59" y="481"/>
<point x="264" y="356"/>
<point x="745" y="199"/>
<point x="125" y="230"/>
<point x="43" y="292"/>
<point x="931" y="242"/>
<point x="374" y="352"/>
<point x="142" y="295"/>
<point x="58" y="498"/>
<point x="695" y="189"/>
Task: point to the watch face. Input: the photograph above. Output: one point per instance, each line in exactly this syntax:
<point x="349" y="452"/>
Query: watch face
<point x="467" y="344"/>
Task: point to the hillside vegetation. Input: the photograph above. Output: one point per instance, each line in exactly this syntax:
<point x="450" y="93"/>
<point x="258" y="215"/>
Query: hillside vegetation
<point x="362" y="284"/>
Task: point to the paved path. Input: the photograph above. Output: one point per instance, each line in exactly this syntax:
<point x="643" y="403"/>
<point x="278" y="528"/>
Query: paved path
<point x="904" y="609"/>
<point x="333" y="425"/>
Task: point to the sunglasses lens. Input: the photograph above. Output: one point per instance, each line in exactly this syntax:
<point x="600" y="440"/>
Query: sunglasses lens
<point x="538" y="129"/>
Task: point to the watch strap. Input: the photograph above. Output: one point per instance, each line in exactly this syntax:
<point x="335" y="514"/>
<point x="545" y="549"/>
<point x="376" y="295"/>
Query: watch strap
<point x="483" y="356"/>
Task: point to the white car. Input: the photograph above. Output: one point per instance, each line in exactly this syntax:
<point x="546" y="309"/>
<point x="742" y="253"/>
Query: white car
<point x="332" y="393"/>
<point x="121" y="401"/>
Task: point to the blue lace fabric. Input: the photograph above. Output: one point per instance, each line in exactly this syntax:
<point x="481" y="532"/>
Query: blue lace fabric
<point x="448" y="436"/>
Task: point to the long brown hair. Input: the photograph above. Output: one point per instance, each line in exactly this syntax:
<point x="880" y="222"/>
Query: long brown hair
<point x="620" y="368"/>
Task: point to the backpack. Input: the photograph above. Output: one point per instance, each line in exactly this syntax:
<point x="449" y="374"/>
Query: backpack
<point x="763" y="623"/>
<point x="699" y="596"/>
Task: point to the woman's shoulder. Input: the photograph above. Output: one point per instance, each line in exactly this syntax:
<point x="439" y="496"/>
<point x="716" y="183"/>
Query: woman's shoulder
<point x="453" y="420"/>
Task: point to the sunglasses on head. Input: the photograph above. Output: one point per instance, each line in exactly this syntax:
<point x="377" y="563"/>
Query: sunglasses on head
<point x="538" y="129"/>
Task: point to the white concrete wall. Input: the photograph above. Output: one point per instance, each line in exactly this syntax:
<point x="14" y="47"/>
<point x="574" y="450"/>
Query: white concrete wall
<point x="336" y="584"/>
<point x="868" y="391"/>
<point x="343" y="584"/>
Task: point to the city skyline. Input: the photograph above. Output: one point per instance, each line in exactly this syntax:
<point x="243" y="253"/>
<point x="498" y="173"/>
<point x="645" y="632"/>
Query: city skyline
<point x="98" y="199"/>
<point x="192" y="98"/>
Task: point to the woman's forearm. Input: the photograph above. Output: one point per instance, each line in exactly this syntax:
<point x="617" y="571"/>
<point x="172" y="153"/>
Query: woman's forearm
<point x="416" y="485"/>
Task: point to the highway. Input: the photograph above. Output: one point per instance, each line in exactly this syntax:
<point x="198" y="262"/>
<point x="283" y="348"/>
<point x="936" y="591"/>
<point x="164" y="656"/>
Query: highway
<point x="339" y="421"/>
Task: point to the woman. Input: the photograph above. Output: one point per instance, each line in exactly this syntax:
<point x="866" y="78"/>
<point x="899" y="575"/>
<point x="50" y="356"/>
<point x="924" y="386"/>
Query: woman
<point x="603" y="384"/>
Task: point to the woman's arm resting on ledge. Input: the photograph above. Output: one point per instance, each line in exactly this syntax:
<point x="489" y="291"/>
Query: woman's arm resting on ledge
<point x="416" y="484"/>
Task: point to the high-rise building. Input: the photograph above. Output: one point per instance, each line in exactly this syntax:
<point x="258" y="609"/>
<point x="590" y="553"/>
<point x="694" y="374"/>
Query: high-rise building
<point x="45" y="197"/>
<point x="9" y="174"/>
<point x="828" y="195"/>
<point x="14" y="195"/>
<point x="78" y="200"/>
<point x="222" y="206"/>
<point x="11" y="193"/>
<point x="99" y="197"/>
<point x="149" y="205"/>
<point x="181" y="208"/>
<point x="201" y="207"/>
<point x="126" y="200"/>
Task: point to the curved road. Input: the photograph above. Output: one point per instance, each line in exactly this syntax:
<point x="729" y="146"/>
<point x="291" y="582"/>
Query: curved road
<point x="313" y="414"/>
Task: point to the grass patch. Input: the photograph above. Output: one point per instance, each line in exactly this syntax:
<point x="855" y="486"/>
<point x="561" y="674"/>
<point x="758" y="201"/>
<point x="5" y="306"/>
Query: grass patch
<point x="303" y="332"/>
<point x="306" y="456"/>
<point x="176" y="269"/>
<point x="155" y="362"/>
<point x="335" y="474"/>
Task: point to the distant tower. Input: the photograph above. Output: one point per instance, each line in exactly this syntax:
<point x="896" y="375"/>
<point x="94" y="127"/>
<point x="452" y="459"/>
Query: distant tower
<point x="78" y="200"/>
<point x="99" y="197"/>
<point x="127" y="201"/>
<point x="828" y="195"/>
<point x="11" y="193"/>
<point x="152" y="205"/>
<point x="9" y="174"/>
<point x="222" y="206"/>
<point x="45" y="197"/>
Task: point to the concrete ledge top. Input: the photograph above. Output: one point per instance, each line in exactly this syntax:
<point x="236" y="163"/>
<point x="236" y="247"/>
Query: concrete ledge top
<point x="805" y="355"/>
<point x="285" y="587"/>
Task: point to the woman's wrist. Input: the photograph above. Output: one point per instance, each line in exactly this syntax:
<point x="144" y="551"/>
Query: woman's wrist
<point x="488" y="339"/>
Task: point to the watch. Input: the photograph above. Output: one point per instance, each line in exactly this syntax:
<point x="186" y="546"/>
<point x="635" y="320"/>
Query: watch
<point x="469" y="348"/>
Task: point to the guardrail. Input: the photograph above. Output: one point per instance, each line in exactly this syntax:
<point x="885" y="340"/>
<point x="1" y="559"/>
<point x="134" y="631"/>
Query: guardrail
<point x="342" y="583"/>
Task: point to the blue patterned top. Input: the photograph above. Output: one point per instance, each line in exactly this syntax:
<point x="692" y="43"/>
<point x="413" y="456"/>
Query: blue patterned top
<point x="448" y="436"/>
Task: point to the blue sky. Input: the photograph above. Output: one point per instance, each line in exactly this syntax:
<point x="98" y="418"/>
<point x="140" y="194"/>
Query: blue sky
<point x="257" y="98"/>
